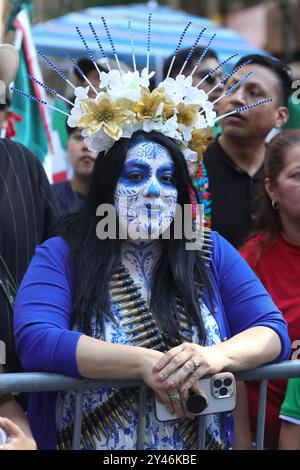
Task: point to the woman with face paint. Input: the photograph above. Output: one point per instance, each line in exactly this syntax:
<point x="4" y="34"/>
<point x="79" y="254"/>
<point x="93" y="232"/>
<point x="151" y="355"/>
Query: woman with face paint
<point x="133" y="303"/>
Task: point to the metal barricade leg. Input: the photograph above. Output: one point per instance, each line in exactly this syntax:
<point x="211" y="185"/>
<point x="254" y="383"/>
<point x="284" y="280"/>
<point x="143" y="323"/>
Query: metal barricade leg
<point x="261" y="415"/>
<point x="77" y="421"/>
<point x="201" y="432"/>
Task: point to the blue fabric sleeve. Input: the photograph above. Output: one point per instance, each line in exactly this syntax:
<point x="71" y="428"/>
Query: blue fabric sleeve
<point x="246" y="302"/>
<point x="42" y="313"/>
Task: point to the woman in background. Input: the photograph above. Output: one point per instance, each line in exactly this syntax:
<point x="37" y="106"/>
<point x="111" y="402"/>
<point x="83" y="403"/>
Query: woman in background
<point x="274" y="254"/>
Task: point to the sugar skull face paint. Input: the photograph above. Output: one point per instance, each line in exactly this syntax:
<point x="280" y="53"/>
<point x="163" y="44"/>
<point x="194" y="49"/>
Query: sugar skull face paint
<point x="146" y="194"/>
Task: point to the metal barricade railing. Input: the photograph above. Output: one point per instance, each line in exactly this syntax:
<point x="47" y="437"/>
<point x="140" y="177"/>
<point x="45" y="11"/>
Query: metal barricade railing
<point x="45" y="382"/>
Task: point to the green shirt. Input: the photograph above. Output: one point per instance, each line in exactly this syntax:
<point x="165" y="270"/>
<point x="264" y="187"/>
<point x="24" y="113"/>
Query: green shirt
<point x="294" y="116"/>
<point x="291" y="405"/>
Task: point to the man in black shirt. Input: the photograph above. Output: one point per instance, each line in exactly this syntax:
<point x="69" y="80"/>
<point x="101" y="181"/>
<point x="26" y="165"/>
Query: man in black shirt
<point x="71" y="194"/>
<point x="27" y="213"/>
<point x="234" y="162"/>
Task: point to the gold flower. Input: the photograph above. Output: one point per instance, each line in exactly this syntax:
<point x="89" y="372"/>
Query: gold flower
<point x="187" y="114"/>
<point x="168" y="110"/>
<point x="149" y="103"/>
<point x="106" y="115"/>
<point x="201" y="138"/>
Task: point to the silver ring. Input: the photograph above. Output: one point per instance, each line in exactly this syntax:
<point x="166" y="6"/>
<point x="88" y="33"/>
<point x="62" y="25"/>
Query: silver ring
<point x="195" y="363"/>
<point x="175" y="394"/>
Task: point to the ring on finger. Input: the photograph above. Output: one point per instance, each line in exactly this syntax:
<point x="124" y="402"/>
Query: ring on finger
<point x="195" y="363"/>
<point x="173" y="394"/>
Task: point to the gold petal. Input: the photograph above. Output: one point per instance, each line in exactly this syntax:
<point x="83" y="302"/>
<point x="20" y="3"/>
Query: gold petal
<point x="86" y="120"/>
<point x="113" y="131"/>
<point x="95" y="127"/>
<point x="89" y="106"/>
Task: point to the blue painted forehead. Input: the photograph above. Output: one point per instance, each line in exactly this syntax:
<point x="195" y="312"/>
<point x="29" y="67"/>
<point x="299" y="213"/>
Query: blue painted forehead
<point x="148" y="149"/>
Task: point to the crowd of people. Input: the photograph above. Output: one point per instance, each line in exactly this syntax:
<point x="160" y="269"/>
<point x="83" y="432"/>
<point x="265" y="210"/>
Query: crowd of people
<point x="147" y="308"/>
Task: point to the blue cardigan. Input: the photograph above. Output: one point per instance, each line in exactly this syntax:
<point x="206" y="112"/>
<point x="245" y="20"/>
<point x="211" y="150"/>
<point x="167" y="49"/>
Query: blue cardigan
<point x="42" y="317"/>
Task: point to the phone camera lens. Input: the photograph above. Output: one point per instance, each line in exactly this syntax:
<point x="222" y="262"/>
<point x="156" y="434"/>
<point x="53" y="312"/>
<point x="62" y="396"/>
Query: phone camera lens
<point x="223" y="391"/>
<point x="227" y="382"/>
<point x="218" y="383"/>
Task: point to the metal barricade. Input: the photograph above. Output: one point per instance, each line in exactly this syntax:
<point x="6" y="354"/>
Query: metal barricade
<point x="44" y="382"/>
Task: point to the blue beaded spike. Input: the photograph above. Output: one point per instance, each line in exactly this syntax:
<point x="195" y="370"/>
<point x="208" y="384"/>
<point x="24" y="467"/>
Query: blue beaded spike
<point x="99" y="45"/>
<point x="224" y="79"/>
<point x="205" y="50"/>
<point x="90" y="53"/>
<point x="233" y="88"/>
<point x="188" y="57"/>
<point x="132" y="45"/>
<point x="111" y="43"/>
<point x="239" y="83"/>
<point x="79" y="70"/>
<point x="178" y="47"/>
<point x="50" y="90"/>
<point x="97" y="40"/>
<point x="37" y="100"/>
<point x="56" y="69"/>
<point x="148" y="40"/>
<point x="181" y="37"/>
<point x="245" y="108"/>
<point x="47" y="88"/>
<point x="223" y="63"/>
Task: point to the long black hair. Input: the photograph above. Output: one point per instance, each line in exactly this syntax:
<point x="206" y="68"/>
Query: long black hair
<point x="93" y="261"/>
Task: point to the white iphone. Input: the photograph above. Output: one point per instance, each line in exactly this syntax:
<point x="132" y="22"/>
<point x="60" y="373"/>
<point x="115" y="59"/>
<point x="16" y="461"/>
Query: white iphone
<point x="220" y="390"/>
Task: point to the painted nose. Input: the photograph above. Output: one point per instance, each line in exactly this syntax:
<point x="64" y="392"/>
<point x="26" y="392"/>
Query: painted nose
<point x="152" y="190"/>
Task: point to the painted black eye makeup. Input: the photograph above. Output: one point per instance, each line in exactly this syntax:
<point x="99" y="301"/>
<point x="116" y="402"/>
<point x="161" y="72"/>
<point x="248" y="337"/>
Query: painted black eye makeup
<point x="135" y="172"/>
<point x="166" y="174"/>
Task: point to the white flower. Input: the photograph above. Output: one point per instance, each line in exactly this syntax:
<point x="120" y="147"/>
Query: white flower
<point x="98" y="142"/>
<point x="75" y="114"/>
<point x="186" y="131"/>
<point x="190" y="156"/>
<point x="145" y="77"/>
<point x="81" y="92"/>
<point x="109" y="78"/>
<point x="149" y="125"/>
<point x="130" y="128"/>
<point x="201" y="122"/>
<point x="125" y="85"/>
<point x="211" y="117"/>
<point x="196" y="96"/>
<point x="170" y="128"/>
<point x="176" y="89"/>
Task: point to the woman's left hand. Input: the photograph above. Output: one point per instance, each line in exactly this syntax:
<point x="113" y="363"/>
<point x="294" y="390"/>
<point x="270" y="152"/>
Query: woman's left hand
<point x="184" y="365"/>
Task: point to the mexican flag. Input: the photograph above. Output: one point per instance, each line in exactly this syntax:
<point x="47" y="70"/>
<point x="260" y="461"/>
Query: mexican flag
<point x="34" y="129"/>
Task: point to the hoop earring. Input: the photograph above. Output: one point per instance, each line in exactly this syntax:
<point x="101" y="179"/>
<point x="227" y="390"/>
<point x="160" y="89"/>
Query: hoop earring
<point x="275" y="205"/>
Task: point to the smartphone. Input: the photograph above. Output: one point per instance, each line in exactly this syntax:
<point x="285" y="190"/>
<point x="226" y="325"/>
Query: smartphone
<point x="220" y="390"/>
<point x="3" y="436"/>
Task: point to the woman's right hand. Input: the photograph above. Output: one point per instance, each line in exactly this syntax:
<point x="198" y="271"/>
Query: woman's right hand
<point x="172" y="399"/>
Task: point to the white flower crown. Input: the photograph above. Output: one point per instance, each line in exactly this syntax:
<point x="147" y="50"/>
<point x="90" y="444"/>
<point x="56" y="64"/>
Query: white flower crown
<point x="124" y="104"/>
